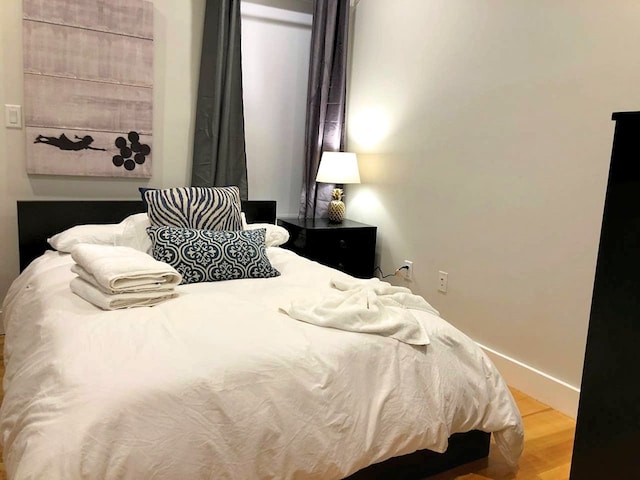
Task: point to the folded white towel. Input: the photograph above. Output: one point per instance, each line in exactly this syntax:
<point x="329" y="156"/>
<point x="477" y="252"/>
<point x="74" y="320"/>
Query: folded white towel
<point x="368" y="306"/>
<point x="142" y="285"/>
<point x="119" y="300"/>
<point x="117" y="269"/>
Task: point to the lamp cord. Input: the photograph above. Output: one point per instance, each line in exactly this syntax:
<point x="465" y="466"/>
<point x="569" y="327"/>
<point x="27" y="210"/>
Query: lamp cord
<point x="398" y="270"/>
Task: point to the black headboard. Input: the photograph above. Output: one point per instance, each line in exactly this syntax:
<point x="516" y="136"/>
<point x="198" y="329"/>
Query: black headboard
<point x="41" y="219"/>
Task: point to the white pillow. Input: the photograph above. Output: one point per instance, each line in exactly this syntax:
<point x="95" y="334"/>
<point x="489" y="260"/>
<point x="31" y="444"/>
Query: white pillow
<point x="135" y="234"/>
<point x="131" y="232"/>
<point x="275" y="236"/>
<point x="95" y="234"/>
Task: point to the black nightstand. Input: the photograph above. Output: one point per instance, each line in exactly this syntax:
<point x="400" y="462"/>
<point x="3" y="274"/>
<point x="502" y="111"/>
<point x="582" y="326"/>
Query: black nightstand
<point x="348" y="246"/>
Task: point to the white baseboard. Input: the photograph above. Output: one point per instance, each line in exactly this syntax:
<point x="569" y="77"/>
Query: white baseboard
<point x="557" y="394"/>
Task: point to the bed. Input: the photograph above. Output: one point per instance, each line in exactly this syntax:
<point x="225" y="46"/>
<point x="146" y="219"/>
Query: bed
<point x="221" y="383"/>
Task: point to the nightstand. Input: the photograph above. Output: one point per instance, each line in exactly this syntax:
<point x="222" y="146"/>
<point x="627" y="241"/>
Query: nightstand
<point x="348" y="246"/>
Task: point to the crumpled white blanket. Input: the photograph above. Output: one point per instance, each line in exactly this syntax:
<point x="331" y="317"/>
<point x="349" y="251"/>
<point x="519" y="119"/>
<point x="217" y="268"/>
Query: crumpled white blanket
<point x="115" y="301"/>
<point x="119" y="269"/>
<point x="366" y="306"/>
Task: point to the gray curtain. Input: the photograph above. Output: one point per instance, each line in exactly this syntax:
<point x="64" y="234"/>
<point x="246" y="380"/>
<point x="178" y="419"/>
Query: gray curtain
<point x="219" y="155"/>
<point x="326" y="96"/>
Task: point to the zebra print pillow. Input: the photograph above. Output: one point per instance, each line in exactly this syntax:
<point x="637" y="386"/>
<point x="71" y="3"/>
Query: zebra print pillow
<point x="205" y="208"/>
<point x="211" y="256"/>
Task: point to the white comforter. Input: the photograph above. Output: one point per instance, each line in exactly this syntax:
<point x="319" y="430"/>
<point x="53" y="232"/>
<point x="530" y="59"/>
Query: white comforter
<point x="218" y="383"/>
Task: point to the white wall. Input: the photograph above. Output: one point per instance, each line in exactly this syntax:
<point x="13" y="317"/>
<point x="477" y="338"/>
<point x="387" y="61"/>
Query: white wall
<point x="275" y="64"/>
<point x="484" y="133"/>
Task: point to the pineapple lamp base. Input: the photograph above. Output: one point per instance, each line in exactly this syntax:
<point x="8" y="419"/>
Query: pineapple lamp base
<point x="336" y="211"/>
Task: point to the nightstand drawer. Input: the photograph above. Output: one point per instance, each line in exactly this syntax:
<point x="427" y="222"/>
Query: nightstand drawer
<point x="345" y="251"/>
<point x="349" y="246"/>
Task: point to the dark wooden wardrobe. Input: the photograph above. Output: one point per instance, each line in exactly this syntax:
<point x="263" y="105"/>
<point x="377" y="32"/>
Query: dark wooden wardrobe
<point x="607" y="440"/>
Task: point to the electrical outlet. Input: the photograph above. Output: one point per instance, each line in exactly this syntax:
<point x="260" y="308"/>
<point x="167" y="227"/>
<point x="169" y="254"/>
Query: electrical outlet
<point x="408" y="272"/>
<point x="443" y="280"/>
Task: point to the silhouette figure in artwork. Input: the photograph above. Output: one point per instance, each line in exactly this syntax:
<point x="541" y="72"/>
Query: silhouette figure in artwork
<point x="65" y="143"/>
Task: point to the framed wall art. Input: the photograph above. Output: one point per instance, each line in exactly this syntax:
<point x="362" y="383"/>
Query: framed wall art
<point x="88" y="84"/>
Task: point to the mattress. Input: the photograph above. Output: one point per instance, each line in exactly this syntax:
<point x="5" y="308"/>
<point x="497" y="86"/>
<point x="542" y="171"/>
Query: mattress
<point x="219" y="383"/>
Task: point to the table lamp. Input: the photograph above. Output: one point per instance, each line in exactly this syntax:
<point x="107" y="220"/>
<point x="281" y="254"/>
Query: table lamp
<point x="338" y="168"/>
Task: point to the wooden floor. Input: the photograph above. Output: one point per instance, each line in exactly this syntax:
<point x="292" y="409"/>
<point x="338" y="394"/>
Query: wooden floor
<point x="547" y="448"/>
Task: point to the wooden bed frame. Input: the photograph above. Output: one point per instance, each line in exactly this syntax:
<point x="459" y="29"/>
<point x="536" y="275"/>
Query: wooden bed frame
<point x="39" y="220"/>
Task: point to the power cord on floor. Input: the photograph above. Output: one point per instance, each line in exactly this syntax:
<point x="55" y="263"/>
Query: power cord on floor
<point x="394" y="274"/>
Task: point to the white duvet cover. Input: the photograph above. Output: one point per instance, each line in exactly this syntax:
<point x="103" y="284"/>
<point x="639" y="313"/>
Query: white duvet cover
<point x="218" y="383"/>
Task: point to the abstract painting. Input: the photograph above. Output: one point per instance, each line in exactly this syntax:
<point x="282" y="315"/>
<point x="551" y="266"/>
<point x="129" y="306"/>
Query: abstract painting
<point x="88" y="87"/>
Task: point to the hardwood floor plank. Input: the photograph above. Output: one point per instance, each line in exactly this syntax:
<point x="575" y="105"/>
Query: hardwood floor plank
<point x="526" y="404"/>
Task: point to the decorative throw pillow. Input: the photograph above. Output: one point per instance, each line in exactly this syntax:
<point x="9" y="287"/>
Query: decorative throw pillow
<point x="210" y="255"/>
<point x="142" y="190"/>
<point x="205" y="208"/>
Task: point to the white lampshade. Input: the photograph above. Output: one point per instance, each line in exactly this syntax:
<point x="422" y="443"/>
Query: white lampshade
<point x="338" y="167"/>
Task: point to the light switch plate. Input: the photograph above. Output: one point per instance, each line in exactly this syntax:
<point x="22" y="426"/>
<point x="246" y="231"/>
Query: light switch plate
<point x="13" y="116"/>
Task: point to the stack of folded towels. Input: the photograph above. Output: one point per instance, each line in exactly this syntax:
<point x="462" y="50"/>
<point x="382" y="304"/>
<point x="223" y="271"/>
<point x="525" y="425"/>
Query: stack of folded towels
<point x="114" y="277"/>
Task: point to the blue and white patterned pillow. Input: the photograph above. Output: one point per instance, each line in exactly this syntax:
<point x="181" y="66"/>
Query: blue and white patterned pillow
<point x="207" y="208"/>
<point x="212" y="255"/>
